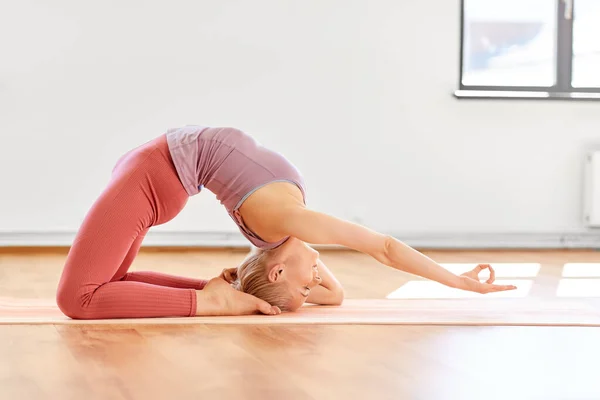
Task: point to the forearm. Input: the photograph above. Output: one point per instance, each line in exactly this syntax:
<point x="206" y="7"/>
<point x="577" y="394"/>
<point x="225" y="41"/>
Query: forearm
<point x="403" y="257"/>
<point x="160" y="279"/>
<point x="329" y="291"/>
<point x="328" y="281"/>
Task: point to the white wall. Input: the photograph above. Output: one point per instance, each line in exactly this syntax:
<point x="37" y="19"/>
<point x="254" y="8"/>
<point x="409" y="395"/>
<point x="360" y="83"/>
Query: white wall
<point x="358" y="94"/>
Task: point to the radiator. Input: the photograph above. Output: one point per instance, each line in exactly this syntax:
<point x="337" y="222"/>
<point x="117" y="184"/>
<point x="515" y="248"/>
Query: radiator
<point x="591" y="198"/>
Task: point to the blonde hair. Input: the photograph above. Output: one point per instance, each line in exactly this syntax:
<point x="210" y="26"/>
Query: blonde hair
<point x="252" y="278"/>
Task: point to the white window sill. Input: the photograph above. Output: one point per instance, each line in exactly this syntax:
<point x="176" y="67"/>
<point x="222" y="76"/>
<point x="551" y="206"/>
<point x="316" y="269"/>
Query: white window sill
<point x="502" y="94"/>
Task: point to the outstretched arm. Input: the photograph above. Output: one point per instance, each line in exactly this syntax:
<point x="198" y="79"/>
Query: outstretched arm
<point x="318" y="228"/>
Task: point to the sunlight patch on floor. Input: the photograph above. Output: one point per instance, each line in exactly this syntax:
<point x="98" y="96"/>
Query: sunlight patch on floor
<point x="434" y="290"/>
<point x="503" y="270"/>
<point x="578" y="288"/>
<point x="581" y="270"/>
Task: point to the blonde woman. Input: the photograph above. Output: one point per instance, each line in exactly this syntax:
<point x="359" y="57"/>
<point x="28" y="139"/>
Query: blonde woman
<point x="265" y="196"/>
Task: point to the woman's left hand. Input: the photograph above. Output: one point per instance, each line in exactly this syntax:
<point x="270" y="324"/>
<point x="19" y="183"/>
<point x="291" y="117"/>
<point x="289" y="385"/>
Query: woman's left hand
<point x="229" y="275"/>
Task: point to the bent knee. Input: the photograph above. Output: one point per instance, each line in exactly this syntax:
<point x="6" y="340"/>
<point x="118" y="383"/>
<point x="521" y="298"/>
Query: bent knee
<point x="72" y="304"/>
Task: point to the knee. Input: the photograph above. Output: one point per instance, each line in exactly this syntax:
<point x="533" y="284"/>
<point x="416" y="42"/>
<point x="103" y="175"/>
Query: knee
<point x="71" y="303"/>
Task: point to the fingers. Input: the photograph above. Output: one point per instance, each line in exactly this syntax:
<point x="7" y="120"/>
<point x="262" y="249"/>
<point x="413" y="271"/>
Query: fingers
<point x="250" y="304"/>
<point x="492" y="277"/>
<point x="497" y="288"/>
<point x="229" y="275"/>
<point x="267" y="309"/>
<point x="481" y="267"/>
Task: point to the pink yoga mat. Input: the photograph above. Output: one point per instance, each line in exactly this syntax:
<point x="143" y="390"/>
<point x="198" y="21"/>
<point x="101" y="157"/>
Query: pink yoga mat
<point x="490" y="312"/>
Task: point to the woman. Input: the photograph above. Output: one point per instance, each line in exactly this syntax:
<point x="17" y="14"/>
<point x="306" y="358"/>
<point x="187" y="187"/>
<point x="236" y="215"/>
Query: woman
<point x="265" y="196"/>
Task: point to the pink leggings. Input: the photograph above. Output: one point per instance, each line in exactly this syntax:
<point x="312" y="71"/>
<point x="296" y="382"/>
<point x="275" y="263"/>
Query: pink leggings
<point x="144" y="191"/>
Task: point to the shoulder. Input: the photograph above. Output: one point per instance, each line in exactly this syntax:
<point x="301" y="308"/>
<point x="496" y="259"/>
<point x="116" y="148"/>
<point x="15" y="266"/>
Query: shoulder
<point x="264" y="209"/>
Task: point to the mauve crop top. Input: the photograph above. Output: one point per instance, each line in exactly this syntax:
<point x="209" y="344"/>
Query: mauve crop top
<point x="232" y="165"/>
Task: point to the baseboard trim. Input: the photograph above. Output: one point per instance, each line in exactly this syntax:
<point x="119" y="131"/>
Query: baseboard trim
<point x="558" y="240"/>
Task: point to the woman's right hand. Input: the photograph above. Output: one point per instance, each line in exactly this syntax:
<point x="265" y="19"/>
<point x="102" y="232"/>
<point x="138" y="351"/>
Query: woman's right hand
<point x="470" y="281"/>
<point x="218" y="298"/>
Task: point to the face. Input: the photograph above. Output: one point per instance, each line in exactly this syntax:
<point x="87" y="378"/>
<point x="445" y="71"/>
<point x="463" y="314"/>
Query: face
<point x="299" y="271"/>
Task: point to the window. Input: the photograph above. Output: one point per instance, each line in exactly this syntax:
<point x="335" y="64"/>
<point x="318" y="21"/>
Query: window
<point x="530" y="48"/>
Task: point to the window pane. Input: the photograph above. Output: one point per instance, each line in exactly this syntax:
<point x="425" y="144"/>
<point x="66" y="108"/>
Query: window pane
<point x="509" y="43"/>
<point x="586" y="44"/>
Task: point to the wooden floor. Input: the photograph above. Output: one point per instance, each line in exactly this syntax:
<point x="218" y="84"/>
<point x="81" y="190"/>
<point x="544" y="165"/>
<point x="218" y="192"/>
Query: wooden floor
<point x="295" y="362"/>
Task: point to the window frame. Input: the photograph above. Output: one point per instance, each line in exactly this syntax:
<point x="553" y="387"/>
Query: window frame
<point x="562" y="89"/>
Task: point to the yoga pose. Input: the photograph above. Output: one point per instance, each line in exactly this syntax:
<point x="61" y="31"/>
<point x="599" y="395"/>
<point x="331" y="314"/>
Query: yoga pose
<point x="265" y="196"/>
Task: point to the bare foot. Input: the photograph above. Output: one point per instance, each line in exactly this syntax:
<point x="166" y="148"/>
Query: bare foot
<point x="219" y="298"/>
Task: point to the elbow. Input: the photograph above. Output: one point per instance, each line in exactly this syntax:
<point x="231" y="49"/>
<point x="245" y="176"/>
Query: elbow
<point x="338" y="297"/>
<point x="385" y="251"/>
